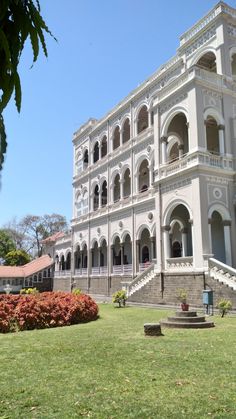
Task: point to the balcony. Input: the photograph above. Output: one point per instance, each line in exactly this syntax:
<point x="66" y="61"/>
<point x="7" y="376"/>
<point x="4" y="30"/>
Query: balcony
<point x="65" y="273"/>
<point x="196" y="159"/>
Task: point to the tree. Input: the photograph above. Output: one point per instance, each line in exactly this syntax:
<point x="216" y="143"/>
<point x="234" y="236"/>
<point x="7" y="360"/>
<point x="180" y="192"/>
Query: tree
<point x="37" y="228"/>
<point x="19" y="20"/>
<point x="16" y="258"/>
<point x="6" y="243"/>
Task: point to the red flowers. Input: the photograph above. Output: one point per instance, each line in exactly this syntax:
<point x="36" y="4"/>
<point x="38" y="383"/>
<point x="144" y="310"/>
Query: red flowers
<point x="48" y="309"/>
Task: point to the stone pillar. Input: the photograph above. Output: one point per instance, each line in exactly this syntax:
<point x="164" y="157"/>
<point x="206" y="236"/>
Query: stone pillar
<point x="122" y="255"/>
<point x="112" y="257"/>
<point x="150" y="171"/>
<point x="152" y="240"/>
<point x="137" y="255"/>
<point x="184" y="233"/>
<point x="228" y="252"/>
<point x="181" y="150"/>
<point x="166" y="230"/>
<point x="100" y="151"/>
<point x="100" y="197"/>
<point x="221" y="129"/>
<point x="121" y="189"/>
<point x="209" y="233"/>
<point x="164" y="149"/>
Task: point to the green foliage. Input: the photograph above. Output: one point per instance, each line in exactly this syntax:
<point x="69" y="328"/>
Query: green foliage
<point x="16" y="258"/>
<point x="119" y="297"/>
<point x="76" y="291"/>
<point x="224" y="306"/>
<point x="19" y="20"/>
<point x="182" y="295"/>
<point x="6" y="243"/>
<point x="29" y="291"/>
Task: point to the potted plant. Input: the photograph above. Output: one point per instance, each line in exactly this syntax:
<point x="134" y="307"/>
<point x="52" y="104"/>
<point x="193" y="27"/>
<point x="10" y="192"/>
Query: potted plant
<point x="119" y="297"/>
<point x="182" y="297"/>
<point x="224" y="306"/>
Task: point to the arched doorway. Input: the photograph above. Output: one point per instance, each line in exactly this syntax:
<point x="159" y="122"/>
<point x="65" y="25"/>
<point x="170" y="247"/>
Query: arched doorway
<point x="217" y="237"/>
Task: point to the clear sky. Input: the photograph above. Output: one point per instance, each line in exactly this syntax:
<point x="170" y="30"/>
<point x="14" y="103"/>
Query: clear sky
<point x="105" y="49"/>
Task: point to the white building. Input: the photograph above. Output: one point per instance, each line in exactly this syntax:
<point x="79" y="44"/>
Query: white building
<point x="154" y="180"/>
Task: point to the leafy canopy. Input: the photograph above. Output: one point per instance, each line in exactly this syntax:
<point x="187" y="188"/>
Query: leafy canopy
<point x="16" y="258"/>
<point x="19" y="20"/>
<point x="6" y="243"/>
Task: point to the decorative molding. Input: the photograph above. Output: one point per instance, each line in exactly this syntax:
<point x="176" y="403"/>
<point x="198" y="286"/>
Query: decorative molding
<point x="200" y="41"/>
<point x="176" y="185"/>
<point x="172" y="103"/>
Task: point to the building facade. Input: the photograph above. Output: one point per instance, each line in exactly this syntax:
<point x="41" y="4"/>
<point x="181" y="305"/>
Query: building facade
<point x="154" y="180"/>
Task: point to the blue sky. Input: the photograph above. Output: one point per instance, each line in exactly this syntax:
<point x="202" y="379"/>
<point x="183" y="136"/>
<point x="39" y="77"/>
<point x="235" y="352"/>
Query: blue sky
<point x="105" y="49"/>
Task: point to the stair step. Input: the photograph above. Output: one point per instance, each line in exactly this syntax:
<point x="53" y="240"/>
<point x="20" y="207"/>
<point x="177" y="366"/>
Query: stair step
<point x="194" y="319"/>
<point x="197" y="325"/>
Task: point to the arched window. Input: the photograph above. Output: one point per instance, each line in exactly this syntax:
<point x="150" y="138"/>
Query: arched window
<point x="127" y="183"/>
<point x="40" y="277"/>
<point x="126" y="131"/>
<point x="116" y="138"/>
<point x="104" y="146"/>
<point x="208" y="62"/>
<point x="233" y="65"/>
<point x="212" y="135"/>
<point x="177" y="137"/>
<point x="116" y="190"/>
<point x="96" y="152"/>
<point x="68" y="261"/>
<point x="142" y="119"/>
<point x="96" y="198"/>
<point x="85" y="159"/>
<point x="143" y="176"/>
<point x="104" y="193"/>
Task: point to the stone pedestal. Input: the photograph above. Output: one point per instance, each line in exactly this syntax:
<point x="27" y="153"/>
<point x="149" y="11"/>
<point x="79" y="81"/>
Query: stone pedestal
<point x="152" y="329"/>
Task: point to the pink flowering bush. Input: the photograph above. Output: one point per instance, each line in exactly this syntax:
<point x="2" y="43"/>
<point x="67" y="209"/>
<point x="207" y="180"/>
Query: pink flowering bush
<point x="48" y="309"/>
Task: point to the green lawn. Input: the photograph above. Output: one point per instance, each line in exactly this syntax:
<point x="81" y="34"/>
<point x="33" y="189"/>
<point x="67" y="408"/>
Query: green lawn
<point x="108" y="369"/>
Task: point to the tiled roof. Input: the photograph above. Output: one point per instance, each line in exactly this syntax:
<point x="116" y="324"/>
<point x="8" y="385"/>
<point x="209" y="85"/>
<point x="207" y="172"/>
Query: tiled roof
<point x="54" y="237"/>
<point x="26" y="270"/>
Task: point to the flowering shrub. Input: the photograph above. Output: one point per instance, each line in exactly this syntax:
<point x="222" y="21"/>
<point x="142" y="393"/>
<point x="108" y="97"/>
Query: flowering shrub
<point x="48" y="309"/>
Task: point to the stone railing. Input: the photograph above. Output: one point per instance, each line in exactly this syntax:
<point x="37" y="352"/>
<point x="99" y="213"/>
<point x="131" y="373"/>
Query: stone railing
<point x="142" y="279"/>
<point x="222" y="273"/>
<point x="64" y="273"/>
<point x="180" y="264"/>
<point x="122" y="269"/>
<point x="195" y="159"/>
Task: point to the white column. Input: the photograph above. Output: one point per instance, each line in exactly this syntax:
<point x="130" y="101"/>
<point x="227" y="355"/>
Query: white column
<point x="137" y="255"/>
<point x="166" y="230"/>
<point x="184" y="232"/>
<point x="164" y="149"/>
<point x="210" y="236"/>
<point x="99" y="258"/>
<point x="221" y="139"/>
<point x="121" y="189"/>
<point x="150" y="171"/>
<point x="228" y="253"/>
<point x="100" y="197"/>
<point x="100" y="151"/>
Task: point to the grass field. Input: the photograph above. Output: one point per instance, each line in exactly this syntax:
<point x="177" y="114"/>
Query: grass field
<point x="108" y="369"/>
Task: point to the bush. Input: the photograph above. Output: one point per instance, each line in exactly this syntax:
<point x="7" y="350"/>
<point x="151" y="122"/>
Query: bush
<point x="224" y="306"/>
<point x="29" y="291"/>
<point x="119" y="297"/>
<point x="77" y="291"/>
<point x="48" y="309"/>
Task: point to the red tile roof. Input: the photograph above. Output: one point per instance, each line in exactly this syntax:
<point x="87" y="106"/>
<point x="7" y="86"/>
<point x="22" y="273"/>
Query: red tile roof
<point x="29" y="269"/>
<point x="54" y="237"/>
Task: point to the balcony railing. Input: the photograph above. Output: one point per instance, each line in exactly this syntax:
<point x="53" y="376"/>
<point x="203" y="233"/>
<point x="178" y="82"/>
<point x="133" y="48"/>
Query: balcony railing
<point x="62" y="273"/>
<point x="122" y="269"/>
<point x="195" y="159"/>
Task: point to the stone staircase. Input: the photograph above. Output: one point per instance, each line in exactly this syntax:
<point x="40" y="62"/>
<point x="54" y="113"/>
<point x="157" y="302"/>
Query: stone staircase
<point x="222" y="273"/>
<point x="141" y="280"/>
